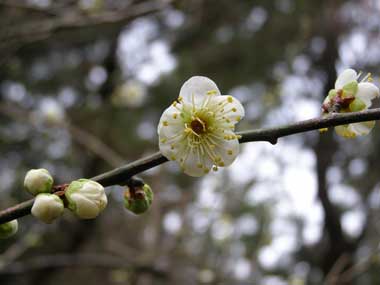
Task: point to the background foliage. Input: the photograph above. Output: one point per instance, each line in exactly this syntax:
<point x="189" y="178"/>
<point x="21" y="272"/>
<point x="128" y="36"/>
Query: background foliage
<point x="301" y="212"/>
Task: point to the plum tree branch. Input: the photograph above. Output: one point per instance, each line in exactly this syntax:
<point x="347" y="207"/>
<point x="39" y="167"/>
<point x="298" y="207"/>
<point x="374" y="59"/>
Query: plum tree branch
<point x="120" y="175"/>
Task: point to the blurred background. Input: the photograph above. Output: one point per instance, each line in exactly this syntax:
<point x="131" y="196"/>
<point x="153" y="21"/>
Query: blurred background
<point x="82" y="87"/>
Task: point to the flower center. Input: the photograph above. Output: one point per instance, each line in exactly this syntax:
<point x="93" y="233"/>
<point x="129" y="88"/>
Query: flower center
<point x="198" y="126"/>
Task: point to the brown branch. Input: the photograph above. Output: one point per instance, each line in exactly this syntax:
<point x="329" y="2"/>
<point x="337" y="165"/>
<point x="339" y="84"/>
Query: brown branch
<point x="40" y="30"/>
<point x="105" y="261"/>
<point x="80" y="136"/>
<point x="120" y="176"/>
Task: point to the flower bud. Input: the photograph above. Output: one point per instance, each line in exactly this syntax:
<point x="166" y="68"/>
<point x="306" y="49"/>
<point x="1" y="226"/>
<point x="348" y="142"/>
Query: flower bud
<point x="38" y="181"/>
<point x="8" y="229"/>
<point x="86" y="198"/>
<point x="357" y="105"/>
<point x="47" y="207"/>
<point x="138" y="199"/>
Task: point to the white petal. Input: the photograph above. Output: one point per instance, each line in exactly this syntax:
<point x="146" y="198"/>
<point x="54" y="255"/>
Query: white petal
<point x="344" y="131"/>
<point x="362" y="129"/>
<point x="85" y="208"/>
<point x="355" y="129"/>
<point x="228" y="151"/>
<point x="196" y="165"/>
<point x="172" y="148"/>
<point x="170" y="123"/>
<point x="367" y="92"/>
<point x="345" y="77"/>
<point x="196" y="89"/>
<point x="227" y="107"/>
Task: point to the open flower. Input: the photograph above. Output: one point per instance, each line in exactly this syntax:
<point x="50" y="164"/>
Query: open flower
<point x="350" y="95"/>
<point x="197" y="130"/>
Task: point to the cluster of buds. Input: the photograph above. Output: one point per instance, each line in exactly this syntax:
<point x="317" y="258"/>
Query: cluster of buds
<point x="47" y="206"/>
<point x="84" y="197"/>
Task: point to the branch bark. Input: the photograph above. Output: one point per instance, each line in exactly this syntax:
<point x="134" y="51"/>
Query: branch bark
<point x="119" y="176"/>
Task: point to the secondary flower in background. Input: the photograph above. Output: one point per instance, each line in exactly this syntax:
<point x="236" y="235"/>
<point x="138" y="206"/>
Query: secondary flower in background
<point x="132" y="94"/>
<point x="351" y="95"/>
<point x="86" y="198"/>
<point x="197" y="130"/>
<point x="47" y="207"/>
<point x="38" y="181"/>
<point x="8" y="229"/>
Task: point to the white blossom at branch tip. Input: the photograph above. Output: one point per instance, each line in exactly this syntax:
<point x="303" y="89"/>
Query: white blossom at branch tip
<point x="47" y="207"/>
<point x="86" y="198"/>
<point x="353" y="93"/>
<point x="197" y="130"/>
<point x="38" y="181"/>
<point x="8" y="229"/>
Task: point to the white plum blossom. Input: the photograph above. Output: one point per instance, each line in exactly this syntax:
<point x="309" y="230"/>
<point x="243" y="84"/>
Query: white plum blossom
<point x="38" y="181"/>
<point x="86" y="198"/>
<point x="47" y="207"/>
<point x="351" y="95"/>
<point x="197" y="130"/>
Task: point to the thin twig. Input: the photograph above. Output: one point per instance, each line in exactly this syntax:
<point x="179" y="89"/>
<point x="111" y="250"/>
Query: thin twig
<point x="106" y="261"/>
<point x="120" y="176"/>
<point x="40" y="30"/>
<point x="357" y="269"/>
<point x="81" y="136"/>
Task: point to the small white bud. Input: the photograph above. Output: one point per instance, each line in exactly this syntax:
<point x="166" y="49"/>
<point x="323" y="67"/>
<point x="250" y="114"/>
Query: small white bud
<point x="38" y="181"/>
<point x="50" y="112"/>
<point x="130" y="94"/>
<point x="47" y="207"/>
<point x="86" y="198"/>
<point x="8" y="229"/>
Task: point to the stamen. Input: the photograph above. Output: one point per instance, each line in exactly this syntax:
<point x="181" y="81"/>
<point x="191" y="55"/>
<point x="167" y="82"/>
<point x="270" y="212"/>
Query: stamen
<point x="212" y="92"/>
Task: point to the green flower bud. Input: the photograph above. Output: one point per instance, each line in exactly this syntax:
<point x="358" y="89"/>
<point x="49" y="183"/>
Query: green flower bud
<point x="332" y="94"/>
<point x="138" y="199"/>
<point x="47" y="207"/>
<point x="357" y="105"/>
<point x="38" y="181"/>
<point x="350" y="89"/>
<point x="8" y="229"/>
<point x="86" y="198"/>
